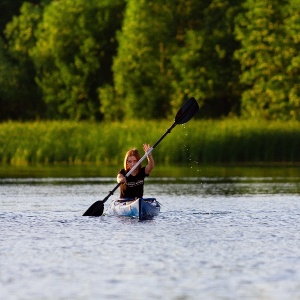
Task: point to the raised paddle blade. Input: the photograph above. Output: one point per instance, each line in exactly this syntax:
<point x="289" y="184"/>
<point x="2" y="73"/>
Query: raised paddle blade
<point x="95" y="210"/>
<point x="187" y="111"/>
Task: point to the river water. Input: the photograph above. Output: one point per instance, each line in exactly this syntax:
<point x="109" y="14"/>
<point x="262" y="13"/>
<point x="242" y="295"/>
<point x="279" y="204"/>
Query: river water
<point x="215" y="238"/>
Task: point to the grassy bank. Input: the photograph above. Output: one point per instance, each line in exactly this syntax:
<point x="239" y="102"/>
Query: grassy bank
<point x="228" y="141"/>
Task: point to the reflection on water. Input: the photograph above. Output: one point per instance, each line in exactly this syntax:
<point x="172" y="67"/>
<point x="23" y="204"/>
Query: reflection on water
<point x="204" y="186"/>
<point x="198" y="186"/>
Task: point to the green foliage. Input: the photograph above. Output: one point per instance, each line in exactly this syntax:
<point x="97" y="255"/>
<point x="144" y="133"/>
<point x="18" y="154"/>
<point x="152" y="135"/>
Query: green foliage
<point x="8" y="8"/>
<point x="20" y="31"/>
<point x="174" y="50"/>
<point x="203" y="142"/>
<point x="7" y="82"/>
<point x="73" y="54"/>
<point x="138" y="59"/>
<point x="204" y="63"/>
<point x="111" y="107"/>
<point x="23" y="98"/>
<point x="269" y="57"/>
<point x="291" y="52"/>
<point x="143" y="69"/>
<point x="142" y="72"/>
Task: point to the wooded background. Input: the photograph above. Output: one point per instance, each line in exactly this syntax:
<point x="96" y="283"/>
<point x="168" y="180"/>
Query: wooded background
<point x="141" y="59"/>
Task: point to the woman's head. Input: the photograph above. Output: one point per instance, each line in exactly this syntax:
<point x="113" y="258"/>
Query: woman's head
<point x="131" y="158"/>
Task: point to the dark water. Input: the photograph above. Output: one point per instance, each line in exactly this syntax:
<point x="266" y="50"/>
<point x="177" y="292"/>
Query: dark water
<point x="215" y="238"/>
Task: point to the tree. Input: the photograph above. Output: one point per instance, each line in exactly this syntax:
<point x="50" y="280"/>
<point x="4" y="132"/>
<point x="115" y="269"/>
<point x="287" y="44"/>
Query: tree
<point x="20" y="93"/>
<point x="7" y="83"/>
<point x="204" y="63"/>
<point x="291" y="52"/>
<point x="8" y="9"/>
<point x="269" y="57"/>
<point x="142" y="68"/>
<point x="172" y="50"/>
<point x="73" y="54"/>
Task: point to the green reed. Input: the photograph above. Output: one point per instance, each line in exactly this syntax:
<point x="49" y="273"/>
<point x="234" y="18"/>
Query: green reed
<point x="227" y="141"/>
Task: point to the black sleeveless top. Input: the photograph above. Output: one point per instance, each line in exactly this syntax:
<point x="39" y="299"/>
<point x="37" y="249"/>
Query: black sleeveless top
<point x="134" y="186"/>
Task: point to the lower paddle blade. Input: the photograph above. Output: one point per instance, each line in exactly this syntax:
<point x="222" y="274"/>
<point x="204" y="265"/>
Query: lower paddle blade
<point x="95" y="210"/>
<point x="187" y="111"/>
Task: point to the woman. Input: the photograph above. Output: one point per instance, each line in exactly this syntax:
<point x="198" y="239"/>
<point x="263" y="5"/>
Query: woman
<point x="133" y="185"/>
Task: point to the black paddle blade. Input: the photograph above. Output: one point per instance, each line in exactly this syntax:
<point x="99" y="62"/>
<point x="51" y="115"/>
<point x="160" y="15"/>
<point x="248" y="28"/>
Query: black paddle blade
<point x="187" y="111"/>
<point x="95" y="210"/>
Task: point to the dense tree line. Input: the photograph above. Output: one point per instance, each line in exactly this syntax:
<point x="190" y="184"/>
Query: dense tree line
<point x="121" y="59"/>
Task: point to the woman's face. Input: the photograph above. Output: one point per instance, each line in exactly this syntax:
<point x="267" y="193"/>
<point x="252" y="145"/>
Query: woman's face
<point x="131" y="162"/>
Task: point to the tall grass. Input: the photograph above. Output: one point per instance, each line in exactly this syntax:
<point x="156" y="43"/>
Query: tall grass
<point x="227" y="141"/>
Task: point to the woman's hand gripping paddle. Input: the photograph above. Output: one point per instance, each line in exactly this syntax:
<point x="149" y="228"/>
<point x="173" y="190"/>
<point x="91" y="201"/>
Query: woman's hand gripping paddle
<point x="185" y="113"/>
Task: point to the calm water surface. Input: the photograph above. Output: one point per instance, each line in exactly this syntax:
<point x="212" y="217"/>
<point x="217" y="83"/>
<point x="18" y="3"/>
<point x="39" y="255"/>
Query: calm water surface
<point x="233" y="238"/>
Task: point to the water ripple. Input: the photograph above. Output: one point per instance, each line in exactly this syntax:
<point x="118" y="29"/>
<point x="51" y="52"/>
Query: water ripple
<point x="213" y="245"/>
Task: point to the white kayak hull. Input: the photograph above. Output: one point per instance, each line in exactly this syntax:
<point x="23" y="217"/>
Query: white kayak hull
<point x="141" y="208"/>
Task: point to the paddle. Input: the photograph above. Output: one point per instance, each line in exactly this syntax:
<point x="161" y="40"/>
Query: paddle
<point x="185" y="113"/>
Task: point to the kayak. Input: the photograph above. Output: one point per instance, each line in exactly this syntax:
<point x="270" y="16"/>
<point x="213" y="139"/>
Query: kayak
<point x="141" y="208"/>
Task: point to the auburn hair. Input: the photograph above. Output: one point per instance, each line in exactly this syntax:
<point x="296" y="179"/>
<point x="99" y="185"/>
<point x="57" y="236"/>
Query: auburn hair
<point x="132" y="152"/>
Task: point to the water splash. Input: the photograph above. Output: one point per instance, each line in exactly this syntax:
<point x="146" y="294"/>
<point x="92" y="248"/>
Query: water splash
<point x="193" y="164"/>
